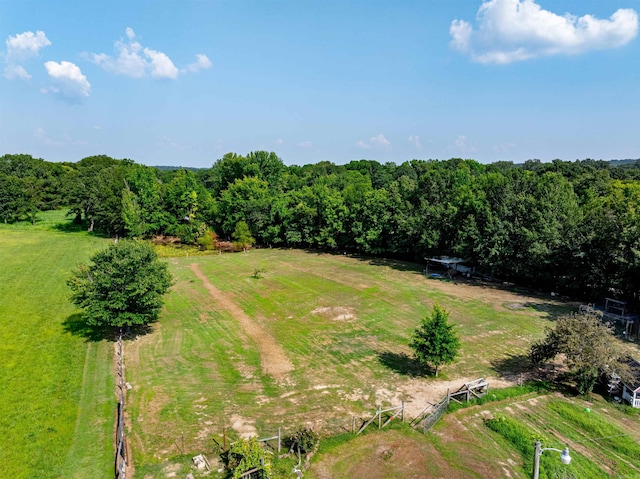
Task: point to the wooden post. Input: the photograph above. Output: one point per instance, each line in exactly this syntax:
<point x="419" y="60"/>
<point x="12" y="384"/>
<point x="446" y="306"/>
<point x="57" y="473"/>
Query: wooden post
<point x="279" y="436"/>
<point x="353" y="424"/>
<point x="379" y="417"/>
<point x="402" y="412"/>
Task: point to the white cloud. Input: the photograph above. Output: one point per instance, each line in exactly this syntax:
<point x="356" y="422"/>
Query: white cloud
<point x="515" y="30"/>
<point x="415" y="141"/>
<point x="67" y="80"/>
<point x="305" y="144"/>
<point x="202" y="63"/>
<point x="134" y="60"/>
<point x="16" y="71"/>
<point x="19" y="49"/>
<point x="279" y="141"/>
<point x="378" y="141"/>
<point x="161" y="64"/>
<point x="26" y="44"/>
<point x="128" y="60"/>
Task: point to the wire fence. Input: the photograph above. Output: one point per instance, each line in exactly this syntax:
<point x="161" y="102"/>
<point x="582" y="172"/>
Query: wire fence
<point x="431" y="414"/>
<point x="120" y="462"/>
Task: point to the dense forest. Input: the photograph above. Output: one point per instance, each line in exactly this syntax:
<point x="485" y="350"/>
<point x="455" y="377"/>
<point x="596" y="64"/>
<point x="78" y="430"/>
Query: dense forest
<point x="573" y="227"/>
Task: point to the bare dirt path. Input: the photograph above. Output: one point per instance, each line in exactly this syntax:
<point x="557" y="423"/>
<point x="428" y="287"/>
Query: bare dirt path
<point x="272" y="358"/>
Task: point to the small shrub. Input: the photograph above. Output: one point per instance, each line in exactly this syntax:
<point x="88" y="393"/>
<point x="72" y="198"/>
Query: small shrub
<point x="257" y="273"/>
<point x="207" y="241"/>
<point x="305" y="439"/>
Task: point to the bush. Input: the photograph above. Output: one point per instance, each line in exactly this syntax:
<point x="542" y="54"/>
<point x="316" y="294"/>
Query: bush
<point x="207" y="241"/>
<point x="305" y="439"/>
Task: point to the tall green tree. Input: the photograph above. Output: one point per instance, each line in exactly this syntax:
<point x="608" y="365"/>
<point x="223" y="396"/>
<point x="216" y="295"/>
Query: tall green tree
<point x="435" y="342"/>
<point x="588" y="345"/>
<point x="124" y="285"/>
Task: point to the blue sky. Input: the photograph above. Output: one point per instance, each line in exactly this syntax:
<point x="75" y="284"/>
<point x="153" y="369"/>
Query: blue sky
<point x="184" y="82"/>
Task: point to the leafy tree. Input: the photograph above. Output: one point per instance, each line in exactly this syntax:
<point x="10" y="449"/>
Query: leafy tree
<point x="588" y="344"/>
<point x="435" y="341"/>
<point x="123" y="287"/>
<point x="242" y="235"/>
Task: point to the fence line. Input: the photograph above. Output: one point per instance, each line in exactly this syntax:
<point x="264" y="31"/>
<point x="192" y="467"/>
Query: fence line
<point x="120" y="462"/>
<point x="431" y="414"/>
<point x="378" y="415"/>
<point x="274" y="438"/>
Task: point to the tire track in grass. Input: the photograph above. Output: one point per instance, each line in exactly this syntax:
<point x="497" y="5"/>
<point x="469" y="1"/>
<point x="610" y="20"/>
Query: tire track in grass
<point x="273" y="360"/>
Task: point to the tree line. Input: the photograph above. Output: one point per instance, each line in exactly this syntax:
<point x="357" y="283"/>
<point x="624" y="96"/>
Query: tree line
<point x="572" y="227"/>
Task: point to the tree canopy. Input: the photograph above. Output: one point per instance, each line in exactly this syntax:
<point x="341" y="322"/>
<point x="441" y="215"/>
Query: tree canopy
<point x="589" y="346"/>
<point x="569" y="227"/>
<point x="124" y="285"/>
<point x="435" y="342"/>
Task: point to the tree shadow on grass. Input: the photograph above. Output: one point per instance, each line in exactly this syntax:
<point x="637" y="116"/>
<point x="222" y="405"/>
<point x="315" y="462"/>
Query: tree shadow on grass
<point x="403" y="364"/>
<point x="512" y="365"/>
<point x="69" y="227"/>
<point x="77" y="326"/>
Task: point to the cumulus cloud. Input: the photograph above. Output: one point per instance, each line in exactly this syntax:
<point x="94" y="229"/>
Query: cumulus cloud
<point x="134" y="60"/>
<point x="415" y="141"/>
<point x="378" y="141"/>
<point x="67" y="80"/>
<point x="202" y="63"/>
<point x="27" y="44"/>
<point x="161" y="65"/>
<point x="19" y="49"/>
<point x="515" y="30"/>
<point x="128" y="60"/>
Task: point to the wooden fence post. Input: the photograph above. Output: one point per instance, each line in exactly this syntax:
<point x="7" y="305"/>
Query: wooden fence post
<point x="279" y="436"/>
<point x="402" y="413"/>
<point x="379" y="417"/>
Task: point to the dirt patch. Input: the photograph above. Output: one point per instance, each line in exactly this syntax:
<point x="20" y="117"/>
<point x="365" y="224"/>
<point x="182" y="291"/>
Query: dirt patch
<point x="243" y="426"/>
<point x="336" y="313"/>
<point x="273" y="361"/>
<point x="417" y="393"/>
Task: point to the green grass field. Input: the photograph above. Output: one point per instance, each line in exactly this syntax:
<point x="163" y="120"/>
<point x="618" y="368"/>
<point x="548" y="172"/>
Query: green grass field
<point x="496" y="440"/>
<point x="341" y="324"/>
<point x="57" y="408"/>
<point x="316" y="340"/>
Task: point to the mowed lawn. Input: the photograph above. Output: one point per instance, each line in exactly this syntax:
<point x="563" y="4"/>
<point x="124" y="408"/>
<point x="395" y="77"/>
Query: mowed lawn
<point x="342" y="324"/>
<point x="57" y="408"/>
<point x="603" y="439"/>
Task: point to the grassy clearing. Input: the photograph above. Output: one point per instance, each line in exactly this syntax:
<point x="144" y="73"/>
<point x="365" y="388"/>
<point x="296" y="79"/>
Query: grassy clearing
<point x="343" y="322"/>
<point x="496" y="440"/>
<point x="56" y="412"/>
